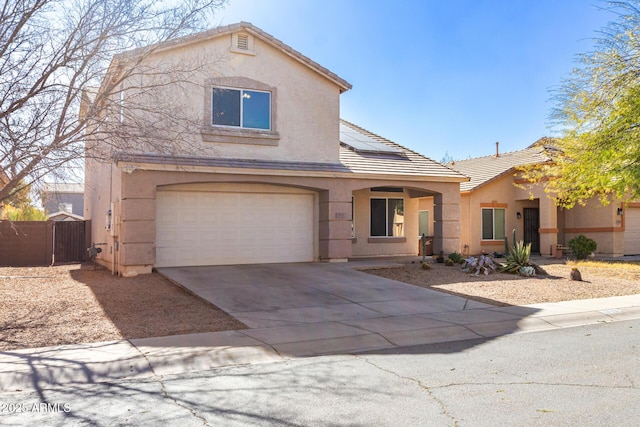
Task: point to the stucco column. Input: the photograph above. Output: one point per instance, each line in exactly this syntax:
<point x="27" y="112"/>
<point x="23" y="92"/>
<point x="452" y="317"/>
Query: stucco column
<point x="335" y="224"/>
<point x="137" y="229"/>
<point x="446" y="210"/>
<point x="548" y="225"/>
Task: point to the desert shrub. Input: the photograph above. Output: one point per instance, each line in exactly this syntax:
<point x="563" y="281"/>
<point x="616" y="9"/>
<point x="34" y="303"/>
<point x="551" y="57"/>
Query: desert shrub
<point x="456" y="257"/>
<point x="582" y="246"/>
<point x="517" y="257"/>
<point x="449" y="262"/>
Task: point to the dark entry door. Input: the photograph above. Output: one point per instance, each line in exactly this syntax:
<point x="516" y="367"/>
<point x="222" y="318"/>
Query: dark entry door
<point x="531" y="218"/>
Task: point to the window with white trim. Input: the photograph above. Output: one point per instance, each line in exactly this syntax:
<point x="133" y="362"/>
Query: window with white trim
<point x="493" y="223"/>
<point x="243" y="108"/>
<point x="387" y="217"/>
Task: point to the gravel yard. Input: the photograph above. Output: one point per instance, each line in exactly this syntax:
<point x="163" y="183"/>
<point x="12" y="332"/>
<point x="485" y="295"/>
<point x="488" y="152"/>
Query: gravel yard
<point x="44" y="306"/>
<point x="599" y="280"/>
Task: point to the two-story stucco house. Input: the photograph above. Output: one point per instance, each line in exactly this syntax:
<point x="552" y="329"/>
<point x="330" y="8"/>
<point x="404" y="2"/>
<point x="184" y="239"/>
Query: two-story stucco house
<point x="273" y="174"/>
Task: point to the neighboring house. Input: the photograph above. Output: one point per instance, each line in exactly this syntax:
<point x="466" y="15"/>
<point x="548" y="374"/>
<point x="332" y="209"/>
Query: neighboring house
<point x="275" y="175"/>
<point x="63" y="197"/>
<point x="497" y="200"/>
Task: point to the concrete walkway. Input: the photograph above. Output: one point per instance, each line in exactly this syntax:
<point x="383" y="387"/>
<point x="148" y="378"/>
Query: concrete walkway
<point x="298" y="310"/>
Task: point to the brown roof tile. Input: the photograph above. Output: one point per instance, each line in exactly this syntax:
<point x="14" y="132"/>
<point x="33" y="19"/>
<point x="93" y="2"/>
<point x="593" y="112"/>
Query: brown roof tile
<point x="483" y="170"/>
<point x="408" y="163"/>
<point x="405" y="162"/>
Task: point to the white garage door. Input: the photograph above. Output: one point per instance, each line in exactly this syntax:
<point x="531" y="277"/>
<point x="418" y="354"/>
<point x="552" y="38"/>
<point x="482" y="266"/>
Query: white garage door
<point x="632" y="231"/>
<point x="219" y="228"/>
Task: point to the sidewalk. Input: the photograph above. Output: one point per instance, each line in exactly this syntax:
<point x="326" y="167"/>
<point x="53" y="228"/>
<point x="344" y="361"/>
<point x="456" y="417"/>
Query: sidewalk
<point x="35" y="369"/>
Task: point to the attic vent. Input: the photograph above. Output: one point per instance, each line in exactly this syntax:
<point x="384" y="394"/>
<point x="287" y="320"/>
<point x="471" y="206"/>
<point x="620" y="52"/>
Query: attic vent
<point x="243" y="42"/>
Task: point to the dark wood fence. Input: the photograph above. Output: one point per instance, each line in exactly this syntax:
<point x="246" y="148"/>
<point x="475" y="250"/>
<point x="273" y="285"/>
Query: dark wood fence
<point x="33" y="243"/>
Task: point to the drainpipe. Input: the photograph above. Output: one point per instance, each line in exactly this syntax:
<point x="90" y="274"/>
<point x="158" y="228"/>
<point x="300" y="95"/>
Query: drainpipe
<point x="53" y="249"/>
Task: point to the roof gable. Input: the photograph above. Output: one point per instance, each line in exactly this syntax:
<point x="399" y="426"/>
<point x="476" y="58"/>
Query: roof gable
<point x="233" y="28"/>
<point x="64" y="216"/>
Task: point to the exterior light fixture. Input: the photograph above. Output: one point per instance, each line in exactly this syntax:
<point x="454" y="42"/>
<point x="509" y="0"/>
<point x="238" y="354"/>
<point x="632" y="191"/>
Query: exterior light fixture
<point x="518" y="215"/>
<point x="620" y="211"/>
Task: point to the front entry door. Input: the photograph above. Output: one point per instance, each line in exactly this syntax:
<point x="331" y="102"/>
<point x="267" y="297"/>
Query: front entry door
<point x="531" y="218"/>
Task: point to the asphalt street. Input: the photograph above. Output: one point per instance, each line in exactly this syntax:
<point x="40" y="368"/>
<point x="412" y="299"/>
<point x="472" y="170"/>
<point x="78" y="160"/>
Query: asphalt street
<point x="587" y="375"/>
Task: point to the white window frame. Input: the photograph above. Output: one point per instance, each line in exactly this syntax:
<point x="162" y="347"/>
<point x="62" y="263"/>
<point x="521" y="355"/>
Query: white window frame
<point x="493" y="219"/>
<point x="386" y="199"/>
<point x="242" y="90"/>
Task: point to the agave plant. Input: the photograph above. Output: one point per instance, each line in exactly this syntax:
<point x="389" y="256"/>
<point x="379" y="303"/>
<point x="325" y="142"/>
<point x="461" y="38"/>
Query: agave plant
<point x="517" y="257"/>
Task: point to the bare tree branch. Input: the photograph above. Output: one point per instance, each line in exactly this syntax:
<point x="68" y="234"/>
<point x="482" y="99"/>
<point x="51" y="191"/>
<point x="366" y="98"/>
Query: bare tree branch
<point x="53" y="52"/>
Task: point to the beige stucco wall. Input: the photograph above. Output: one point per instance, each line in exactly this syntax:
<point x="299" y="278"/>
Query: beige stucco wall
<point x="557" y="226"/>
<point x="102" y="180"/>
<point x="136" y="192"/>
<point x="598" y="222"/>
<point x="305" y="105"/>
<point x="365" y="245"/>
<point x="497" y="194"/>
<point x="446" y="215"/>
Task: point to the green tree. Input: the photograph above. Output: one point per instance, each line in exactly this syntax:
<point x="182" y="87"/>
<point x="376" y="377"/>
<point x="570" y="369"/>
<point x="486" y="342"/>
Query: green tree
<point x="24" y="213"/>
<point x="19" y="206"/>
<point x="598" y="113"/>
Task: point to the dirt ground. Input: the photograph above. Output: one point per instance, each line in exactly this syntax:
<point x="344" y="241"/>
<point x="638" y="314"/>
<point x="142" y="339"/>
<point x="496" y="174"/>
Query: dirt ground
<point x="44" y="306"/>
<point x="599" y="280"/>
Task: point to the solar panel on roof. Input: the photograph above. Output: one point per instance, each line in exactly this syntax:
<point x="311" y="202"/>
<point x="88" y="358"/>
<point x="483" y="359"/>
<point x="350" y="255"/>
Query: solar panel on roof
<point x="363" y="143"/>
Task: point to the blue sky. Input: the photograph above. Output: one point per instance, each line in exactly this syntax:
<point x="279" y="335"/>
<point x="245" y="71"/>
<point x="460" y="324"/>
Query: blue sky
<point x="438" y="76"/>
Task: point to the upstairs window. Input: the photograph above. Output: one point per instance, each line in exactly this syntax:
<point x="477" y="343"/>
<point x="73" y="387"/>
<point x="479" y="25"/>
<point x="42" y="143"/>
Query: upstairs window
<point x="242" y="108"/>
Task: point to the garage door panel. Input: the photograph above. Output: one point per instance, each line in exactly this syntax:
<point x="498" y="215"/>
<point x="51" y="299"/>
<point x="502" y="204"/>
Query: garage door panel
<point x="632" y="231"/>
<point x="217" y="228"/>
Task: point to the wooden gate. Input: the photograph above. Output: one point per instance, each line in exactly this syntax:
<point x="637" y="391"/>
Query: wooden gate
<point x="70" y="243"/>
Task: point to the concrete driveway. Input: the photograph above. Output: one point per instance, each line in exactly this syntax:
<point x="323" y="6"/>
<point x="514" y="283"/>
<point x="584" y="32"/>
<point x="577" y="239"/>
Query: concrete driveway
<point x="269" y="295"/>
<point x="319" y="308"/>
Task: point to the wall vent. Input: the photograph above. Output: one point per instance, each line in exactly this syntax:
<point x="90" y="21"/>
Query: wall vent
<point x="243" y="42"/>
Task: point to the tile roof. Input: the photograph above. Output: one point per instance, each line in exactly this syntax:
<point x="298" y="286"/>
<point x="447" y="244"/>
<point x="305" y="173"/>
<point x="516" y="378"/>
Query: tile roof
<point x="62" y="187"/>
<point x="408" y="163"/>
<point x="483" y="170"/>
<point x="230" y="162"/>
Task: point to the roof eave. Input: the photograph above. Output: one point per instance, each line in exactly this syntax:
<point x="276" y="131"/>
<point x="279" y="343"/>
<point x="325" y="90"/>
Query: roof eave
<point x="131" y="165"/>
